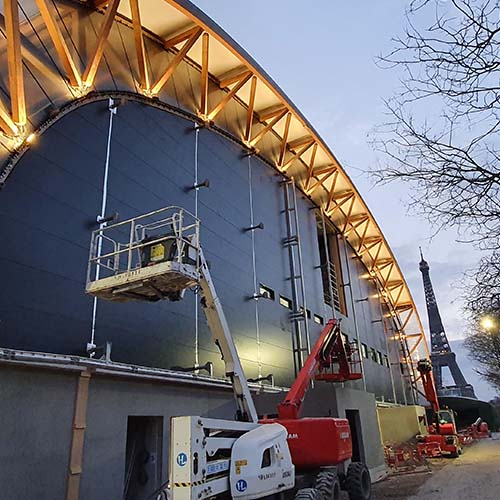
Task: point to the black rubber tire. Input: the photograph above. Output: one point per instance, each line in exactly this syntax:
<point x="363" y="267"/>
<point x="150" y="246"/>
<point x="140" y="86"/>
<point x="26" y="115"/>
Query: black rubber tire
<point x="308" y="494"/>
<point x="358" y="483"/>
<point x="457" y="453"/>
<point x="327" y="482"/>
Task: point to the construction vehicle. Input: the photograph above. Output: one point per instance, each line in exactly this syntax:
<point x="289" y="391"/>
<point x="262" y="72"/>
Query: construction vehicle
<point x="479" y="429"/>
<point x="157" y="256"/>
<point x="442" y="437"/>
<point x="321" y="447"/>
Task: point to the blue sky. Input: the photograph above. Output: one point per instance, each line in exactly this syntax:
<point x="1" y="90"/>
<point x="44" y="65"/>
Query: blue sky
<point x="322" y="54"/>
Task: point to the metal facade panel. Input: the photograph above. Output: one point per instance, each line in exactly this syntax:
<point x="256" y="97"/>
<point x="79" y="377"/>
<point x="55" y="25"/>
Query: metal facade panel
<point x="75" y="49"/>
<point x="47" y="211"/>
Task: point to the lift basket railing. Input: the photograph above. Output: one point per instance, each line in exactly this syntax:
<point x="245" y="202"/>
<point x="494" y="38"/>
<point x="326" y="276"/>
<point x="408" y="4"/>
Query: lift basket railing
<point x="146" y="257"/>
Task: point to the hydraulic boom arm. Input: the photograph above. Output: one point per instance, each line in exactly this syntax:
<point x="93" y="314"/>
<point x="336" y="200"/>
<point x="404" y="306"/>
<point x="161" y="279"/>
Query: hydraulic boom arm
<point x="425" y="369"/>
<point x="328" y="340"/>
<point x="224" y="341"/>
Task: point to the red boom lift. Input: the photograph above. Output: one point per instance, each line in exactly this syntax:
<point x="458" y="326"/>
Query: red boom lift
<point x="322" y="445"/>
<point x="443" y="436"/>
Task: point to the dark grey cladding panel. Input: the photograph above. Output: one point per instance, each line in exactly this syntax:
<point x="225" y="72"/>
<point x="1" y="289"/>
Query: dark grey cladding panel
<point x="48" y="208"/>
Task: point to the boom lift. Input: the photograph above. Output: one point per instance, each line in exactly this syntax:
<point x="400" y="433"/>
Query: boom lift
<point x="321" y="447"/>
<point x="444" y="436"/>
<point x="479" y="429"/>
<point x="443" y="430"/>
<point x="157" y="256"/>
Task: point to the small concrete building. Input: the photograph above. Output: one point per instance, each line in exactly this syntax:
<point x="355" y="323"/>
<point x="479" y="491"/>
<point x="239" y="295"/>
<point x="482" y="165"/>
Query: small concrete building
<point x="114" y="109"/>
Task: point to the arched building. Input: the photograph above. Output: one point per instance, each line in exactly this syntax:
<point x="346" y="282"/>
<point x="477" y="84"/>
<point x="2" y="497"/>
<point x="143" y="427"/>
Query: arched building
<point x="158" y="96"/>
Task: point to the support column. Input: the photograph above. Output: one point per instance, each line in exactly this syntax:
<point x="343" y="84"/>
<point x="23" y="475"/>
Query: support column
<point x="78" y="436"/>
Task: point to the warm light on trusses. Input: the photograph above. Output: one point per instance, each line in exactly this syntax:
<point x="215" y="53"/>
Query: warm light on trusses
<point x="31" y="138"/>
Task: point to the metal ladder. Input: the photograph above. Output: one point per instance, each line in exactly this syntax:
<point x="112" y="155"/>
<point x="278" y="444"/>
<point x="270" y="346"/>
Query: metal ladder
<point x="298" y="317"/>
<point x="328" y="271"/>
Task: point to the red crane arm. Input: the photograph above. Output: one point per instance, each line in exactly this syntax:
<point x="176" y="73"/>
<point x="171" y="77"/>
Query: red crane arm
<point x="425" y="369"/>
<point x="292" y="404"/>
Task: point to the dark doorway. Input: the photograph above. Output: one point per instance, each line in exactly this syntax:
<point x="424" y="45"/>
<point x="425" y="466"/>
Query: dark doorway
<point x="143" y="460"/>
<point x="358" y="450"/>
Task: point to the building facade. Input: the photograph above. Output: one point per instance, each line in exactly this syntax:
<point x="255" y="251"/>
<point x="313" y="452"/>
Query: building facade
<point x="134" y="106"/>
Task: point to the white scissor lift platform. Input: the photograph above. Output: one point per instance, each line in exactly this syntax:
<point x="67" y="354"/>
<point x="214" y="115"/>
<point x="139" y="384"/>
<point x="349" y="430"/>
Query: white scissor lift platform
<point x="157" y="256"/>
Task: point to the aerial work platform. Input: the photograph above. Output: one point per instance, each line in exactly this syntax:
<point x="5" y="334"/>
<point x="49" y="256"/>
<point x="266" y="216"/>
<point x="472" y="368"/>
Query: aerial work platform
<point x="148" y="258"/>
<point x="339" y="360"/>
<point x="158" y="256"/>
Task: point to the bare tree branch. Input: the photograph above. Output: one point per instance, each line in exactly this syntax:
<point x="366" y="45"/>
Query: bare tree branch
<point x="482" y="299"/>
<point x="442" y="138"/>
<point x="442" y="133"/>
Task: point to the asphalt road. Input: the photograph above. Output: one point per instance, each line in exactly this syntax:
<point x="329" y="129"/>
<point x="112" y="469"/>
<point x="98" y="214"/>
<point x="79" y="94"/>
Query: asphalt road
<point x="473" y="476"/>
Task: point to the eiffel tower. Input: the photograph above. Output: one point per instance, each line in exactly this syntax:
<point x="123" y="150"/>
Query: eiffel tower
<point x="441" y="353"/>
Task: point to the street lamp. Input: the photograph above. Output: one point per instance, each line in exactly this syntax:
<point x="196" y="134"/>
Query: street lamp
<point x="487" y="323"/>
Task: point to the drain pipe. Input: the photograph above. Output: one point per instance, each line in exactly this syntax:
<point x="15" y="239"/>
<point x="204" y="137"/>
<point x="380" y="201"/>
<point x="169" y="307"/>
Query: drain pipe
<point x="101" y="219"/>
<point x="196" y="306"/>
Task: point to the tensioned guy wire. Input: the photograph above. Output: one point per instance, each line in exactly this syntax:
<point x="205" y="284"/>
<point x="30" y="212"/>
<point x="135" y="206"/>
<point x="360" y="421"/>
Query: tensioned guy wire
<point x="102" y="215"/>
<point x="254" y="268"/>
<point x="127" y="58"/>
<point x="67" y="32"/>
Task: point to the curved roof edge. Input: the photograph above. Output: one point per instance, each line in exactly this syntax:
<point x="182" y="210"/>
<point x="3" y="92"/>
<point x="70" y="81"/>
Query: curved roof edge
<point x="169" y="50"/>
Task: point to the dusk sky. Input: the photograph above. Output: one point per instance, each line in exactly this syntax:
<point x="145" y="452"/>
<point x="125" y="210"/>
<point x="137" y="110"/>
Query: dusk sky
<point x="322" y="54"/>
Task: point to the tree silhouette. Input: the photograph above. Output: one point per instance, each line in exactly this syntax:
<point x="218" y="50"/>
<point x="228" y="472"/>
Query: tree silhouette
<point x="442" y="132"/>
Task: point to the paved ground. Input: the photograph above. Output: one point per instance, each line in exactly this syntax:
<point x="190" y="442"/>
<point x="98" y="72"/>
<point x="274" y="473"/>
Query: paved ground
<point x="473" y="476"/>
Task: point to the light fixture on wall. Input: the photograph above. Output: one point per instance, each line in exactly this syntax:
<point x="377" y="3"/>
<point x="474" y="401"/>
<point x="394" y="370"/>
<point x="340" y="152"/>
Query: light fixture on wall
<point x="31" y="138"/>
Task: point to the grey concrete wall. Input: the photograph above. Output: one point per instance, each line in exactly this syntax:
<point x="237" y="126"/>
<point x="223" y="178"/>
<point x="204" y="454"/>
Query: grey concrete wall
<point x="37" y="413"/>
<point x="112" y="401"/>
<point x="349" y="399"/>
<point x="36" y="427"/>
<point x="35" y="432"/>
